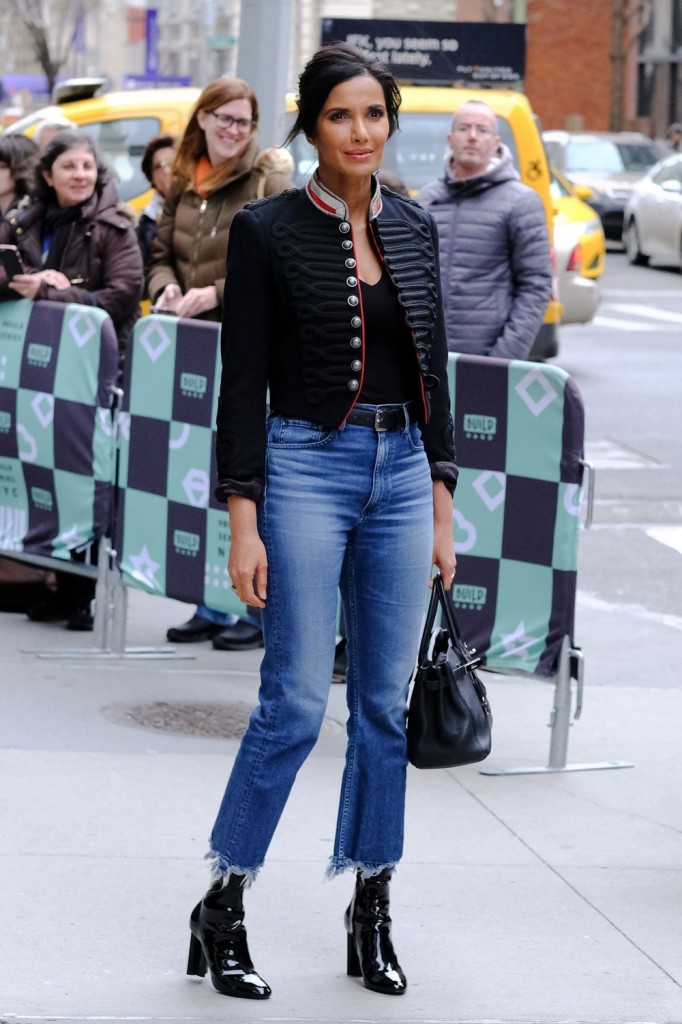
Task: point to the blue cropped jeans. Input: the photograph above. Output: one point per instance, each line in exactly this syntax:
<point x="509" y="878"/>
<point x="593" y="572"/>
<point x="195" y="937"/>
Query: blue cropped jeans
<point x="349" y="509"/>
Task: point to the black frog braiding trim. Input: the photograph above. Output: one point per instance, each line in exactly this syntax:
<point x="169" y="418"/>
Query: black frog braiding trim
<point x="411" y="262"/>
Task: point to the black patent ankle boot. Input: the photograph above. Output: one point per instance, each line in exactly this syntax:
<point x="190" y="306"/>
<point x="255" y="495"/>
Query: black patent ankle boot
<point x="370" y="949"/>
<point x="218" y="942"/>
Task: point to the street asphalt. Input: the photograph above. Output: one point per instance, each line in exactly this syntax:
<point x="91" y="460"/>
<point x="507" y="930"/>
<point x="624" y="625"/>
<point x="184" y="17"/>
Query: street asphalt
<point x="542" y="898"/>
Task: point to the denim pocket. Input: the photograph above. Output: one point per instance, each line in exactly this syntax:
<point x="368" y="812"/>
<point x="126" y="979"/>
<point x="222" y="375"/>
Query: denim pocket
<point x="414" y="436"/>
<point x="289" y="433"/>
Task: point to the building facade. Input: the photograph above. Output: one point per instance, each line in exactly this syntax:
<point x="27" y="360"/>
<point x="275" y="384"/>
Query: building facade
<point x="593" y="64"/>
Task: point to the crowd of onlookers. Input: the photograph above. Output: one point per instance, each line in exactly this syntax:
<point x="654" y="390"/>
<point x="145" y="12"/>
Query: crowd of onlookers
<point x="78" y="243"/>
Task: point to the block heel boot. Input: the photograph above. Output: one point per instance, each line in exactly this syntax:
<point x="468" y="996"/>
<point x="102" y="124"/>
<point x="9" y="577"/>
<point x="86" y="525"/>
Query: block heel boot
<point x="218" y="942"/>
<point x="370" y="953"/>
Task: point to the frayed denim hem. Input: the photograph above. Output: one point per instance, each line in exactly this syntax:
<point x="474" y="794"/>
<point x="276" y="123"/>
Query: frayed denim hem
<point x="222" y="868"/>
<point x="337" y="866"/>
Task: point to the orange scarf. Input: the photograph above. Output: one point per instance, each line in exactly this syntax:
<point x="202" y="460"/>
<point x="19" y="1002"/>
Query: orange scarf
<point x="204" y="170"/>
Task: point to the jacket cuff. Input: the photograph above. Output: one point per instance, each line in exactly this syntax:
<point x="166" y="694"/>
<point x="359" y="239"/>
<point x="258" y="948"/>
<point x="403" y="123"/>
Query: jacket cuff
<point x="447" y="472"/>
<point x="252" y="489"/>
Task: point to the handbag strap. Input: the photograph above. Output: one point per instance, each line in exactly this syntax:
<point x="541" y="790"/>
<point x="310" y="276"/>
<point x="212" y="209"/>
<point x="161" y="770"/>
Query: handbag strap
<point x="440" y="596"/>
<point x="428" y="625"/>
<point x="445" y="599"/>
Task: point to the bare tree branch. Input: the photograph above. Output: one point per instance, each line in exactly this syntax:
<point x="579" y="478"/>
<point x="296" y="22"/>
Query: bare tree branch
<point x="51" y="25"/>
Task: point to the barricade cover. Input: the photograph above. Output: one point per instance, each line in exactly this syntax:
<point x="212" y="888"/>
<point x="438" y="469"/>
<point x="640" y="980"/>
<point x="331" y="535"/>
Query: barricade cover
<point x="519" y="432"/>
<point x="172" y="535"/>
<point x="58" y="365"/>
<point x="519" y="437"/>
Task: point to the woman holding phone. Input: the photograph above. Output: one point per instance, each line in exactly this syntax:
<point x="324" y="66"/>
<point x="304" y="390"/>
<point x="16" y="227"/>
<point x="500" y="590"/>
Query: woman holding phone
<point x="75" y="246"/>
<point x="73" y="239"/>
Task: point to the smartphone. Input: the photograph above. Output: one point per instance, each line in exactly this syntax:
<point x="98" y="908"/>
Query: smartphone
<point x="160" y="309"/>
<point x="11" y="261"/>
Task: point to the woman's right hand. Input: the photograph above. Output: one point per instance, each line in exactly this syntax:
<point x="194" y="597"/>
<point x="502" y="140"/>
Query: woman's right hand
<point x="248" y="562"/>
<point x="169" y="298"/>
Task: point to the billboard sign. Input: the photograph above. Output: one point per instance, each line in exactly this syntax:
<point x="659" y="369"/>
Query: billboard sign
<point x="437" y="51"/>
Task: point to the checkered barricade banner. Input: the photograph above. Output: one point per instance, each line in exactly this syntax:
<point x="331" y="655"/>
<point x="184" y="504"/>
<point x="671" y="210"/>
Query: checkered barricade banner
<point x="58" y="366"/>
<point x="519" y="435"/>
<point x="172" y="535"/>
<point x="519" y="432"/>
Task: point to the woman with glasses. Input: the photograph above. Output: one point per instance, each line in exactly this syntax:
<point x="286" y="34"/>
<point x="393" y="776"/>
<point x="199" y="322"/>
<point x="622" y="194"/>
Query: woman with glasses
<point x="216" y="171"/>
<point x="333" y="306"/>
<point x="218" y="168"/>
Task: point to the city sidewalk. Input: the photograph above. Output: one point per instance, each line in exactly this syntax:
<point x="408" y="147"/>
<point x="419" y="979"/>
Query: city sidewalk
<point x="530" y="899"/>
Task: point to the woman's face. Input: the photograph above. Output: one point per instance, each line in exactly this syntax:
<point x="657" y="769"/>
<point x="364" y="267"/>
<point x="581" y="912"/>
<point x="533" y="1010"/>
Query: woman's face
<point x="228" y="130"/>
<point x="73" y="176"/>
<point x="162" y="162"/>
<point x="7" y="184"/>
<point x="352" y="130"/>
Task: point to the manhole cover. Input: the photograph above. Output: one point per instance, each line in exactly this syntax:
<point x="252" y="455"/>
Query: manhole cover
<point x="221" y="721"/>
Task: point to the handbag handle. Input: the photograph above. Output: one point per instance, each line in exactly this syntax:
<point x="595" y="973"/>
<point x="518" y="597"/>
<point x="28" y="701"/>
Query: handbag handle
<point x="440" y="596"/>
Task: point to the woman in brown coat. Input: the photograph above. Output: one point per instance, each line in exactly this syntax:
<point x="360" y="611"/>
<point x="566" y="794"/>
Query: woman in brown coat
<point x="217" y="170"/>
<point x="76" y="244"/>
<point x="76" y="247"/>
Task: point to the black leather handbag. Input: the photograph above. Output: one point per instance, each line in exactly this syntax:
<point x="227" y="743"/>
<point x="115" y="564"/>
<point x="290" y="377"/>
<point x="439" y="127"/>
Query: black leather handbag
<point x="449" y="720"/>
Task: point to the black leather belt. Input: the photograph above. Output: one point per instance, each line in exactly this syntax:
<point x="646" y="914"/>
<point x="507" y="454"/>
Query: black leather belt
<point x="380" y="418"/>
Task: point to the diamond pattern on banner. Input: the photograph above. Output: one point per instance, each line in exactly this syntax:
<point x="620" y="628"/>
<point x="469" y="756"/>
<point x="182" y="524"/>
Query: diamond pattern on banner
<point x="519" y="440"/>
<point x="167" y="458"/>
<point x="518" y="432"/>
<point x="60" y="364"/>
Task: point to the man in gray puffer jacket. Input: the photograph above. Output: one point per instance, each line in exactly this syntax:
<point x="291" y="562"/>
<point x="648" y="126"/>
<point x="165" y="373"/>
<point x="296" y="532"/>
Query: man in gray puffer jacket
<point x="494" y="245"/>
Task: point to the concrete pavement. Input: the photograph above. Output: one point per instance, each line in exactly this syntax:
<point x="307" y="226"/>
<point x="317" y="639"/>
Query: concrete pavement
<point x="532" y="899"/>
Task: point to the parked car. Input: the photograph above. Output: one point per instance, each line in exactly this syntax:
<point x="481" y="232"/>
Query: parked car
<point x="609" y="163"/>
<point x="653" y="215"/>
<point x="579" y="249"/>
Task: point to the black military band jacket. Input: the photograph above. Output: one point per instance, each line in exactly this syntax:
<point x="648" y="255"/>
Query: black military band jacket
<point x="292" y="322"/>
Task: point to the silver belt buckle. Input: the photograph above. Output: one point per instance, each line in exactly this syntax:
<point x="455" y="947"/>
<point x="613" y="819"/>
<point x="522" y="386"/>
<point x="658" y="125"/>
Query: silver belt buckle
<point x="378" y="420"/>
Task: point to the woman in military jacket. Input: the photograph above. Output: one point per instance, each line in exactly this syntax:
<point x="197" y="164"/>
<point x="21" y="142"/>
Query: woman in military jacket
<point x="332" y="305"/>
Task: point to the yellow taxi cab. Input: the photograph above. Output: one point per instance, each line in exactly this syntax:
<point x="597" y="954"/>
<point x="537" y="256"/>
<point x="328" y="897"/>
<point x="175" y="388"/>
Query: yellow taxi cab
<point x="121" y="123"/>
<point x="569" y="207"/>
<point x="579" y="250"/>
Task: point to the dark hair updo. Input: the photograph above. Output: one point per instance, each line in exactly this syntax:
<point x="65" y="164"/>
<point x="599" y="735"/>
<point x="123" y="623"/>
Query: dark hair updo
<point x="326" y="69"/>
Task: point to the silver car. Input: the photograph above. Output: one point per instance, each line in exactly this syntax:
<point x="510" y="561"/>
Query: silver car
<point x="610" y="163"/>
<point x="653" y="216"/>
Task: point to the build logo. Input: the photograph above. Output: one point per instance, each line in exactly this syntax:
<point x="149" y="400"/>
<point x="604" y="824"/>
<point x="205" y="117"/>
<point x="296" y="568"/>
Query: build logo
<point x="478" y="427"/>
<point x="39" y="355"/>
<point x="193" y="385"/>
<point x="42" y="498"/>
<point x="186" y="543"/>
<point x="467" y="595"/>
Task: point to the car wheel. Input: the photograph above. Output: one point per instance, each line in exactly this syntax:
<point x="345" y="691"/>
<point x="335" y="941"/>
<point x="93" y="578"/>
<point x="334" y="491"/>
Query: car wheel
<point x="632" y="245"/>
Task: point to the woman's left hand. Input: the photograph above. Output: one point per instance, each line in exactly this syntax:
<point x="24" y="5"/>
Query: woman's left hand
<point x="443" y="544"/>
<point x="197" y="300"/>
<point x="28" y="285"/>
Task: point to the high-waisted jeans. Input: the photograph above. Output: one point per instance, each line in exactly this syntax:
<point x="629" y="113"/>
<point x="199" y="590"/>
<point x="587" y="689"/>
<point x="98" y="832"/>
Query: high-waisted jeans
<point x="349" y="509"/>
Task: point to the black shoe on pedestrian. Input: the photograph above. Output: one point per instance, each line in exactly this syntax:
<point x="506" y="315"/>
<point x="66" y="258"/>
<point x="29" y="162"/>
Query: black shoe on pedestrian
<point x="340" y="661"/>
<point x="81" y="619"/>
<point x="243" y="636"/>
<point x="198" y="628"/>
<point x="50" y="609"/>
